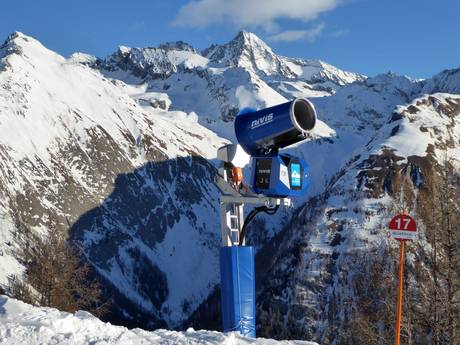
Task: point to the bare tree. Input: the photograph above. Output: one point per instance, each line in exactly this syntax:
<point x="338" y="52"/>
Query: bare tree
<point x="437" y="276"/>
<point x="56" y="276"/>
<point x="448" y="223"/>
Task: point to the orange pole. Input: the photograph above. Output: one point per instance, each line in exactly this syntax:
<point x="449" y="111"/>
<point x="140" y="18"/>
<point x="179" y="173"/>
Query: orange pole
<point x="402" y="248"/>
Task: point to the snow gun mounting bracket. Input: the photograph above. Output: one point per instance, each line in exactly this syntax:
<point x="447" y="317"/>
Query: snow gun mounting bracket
<point x="233" y="197"/>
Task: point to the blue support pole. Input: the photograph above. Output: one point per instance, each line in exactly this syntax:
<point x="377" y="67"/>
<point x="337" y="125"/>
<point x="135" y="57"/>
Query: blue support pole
<point x="238" y="290"/>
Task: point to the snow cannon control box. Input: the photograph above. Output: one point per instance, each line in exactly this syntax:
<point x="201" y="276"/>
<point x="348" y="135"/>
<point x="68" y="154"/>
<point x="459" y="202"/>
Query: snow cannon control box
<point x="262" y="133"/>
<point x="279" y="175"/>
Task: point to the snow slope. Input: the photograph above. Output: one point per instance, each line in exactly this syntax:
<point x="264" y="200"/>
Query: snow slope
<point x="77" y="151"/>
<point x="22" y="324"/>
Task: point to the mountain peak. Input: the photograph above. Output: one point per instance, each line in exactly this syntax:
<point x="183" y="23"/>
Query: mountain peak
<point x="248" y="37"/>
<point x="16" y="35"/>
<point x="17" y="43"/>
<point x="243" y="50"/>
<point x="249" y="40"/>
<point x="12" y="42"/>
<point x="19" y="39"/>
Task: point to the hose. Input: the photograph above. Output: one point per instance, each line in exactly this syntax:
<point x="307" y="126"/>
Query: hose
<point x="252" y="215"/>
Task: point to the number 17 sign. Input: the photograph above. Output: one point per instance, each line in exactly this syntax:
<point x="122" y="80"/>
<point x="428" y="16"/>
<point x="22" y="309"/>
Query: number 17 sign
<point x="403" y="227"/>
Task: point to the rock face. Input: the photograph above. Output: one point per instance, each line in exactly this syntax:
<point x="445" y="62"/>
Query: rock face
<point x="121" y="152"/>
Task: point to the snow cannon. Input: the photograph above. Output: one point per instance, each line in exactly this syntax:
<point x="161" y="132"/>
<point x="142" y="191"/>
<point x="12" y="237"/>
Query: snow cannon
<point x="262" y="133"/>
<point x="275" y="177"/>
<point x="270" y="129"/>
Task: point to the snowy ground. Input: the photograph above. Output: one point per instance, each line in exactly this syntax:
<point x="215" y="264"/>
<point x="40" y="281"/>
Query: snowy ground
<point x="22" y="324"/>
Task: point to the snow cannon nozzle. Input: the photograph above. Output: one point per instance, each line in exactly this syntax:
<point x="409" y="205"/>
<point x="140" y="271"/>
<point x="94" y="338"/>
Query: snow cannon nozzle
<point x="273" y="128"/>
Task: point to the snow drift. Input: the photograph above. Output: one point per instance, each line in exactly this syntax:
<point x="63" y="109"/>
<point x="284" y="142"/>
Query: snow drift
<point x="22" y="324"/>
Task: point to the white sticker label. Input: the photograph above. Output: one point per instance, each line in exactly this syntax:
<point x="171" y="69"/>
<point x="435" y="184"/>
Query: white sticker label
<point x="284" y="175"/>
<point x="403" y="235"/>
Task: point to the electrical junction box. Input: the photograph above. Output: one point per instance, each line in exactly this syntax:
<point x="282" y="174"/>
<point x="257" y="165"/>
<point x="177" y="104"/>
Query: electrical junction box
<point x="279" y="175"/>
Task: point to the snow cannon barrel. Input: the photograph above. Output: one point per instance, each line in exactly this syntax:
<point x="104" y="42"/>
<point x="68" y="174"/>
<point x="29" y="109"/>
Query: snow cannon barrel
<point x="267" y="130"/>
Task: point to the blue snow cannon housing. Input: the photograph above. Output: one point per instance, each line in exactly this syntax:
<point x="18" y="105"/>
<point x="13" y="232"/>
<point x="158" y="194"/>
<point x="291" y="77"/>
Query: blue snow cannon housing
<point x="273" y="128"/>
<point x="262" y="133"/>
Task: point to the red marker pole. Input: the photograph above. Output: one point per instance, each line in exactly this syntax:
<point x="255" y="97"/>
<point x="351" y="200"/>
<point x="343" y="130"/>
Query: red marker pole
<point x="403" y="228"/>
<point x="402" y="249"/>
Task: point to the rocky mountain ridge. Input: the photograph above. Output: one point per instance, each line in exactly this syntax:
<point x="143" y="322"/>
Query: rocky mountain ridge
<point x="244" y="72"/>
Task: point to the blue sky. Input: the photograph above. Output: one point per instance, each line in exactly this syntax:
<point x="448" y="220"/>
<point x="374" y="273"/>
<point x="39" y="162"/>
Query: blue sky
<point x="415" y="38"/>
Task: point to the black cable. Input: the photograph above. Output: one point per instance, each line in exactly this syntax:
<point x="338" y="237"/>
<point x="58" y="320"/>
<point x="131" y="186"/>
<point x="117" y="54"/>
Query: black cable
<point x="252" y="215"/>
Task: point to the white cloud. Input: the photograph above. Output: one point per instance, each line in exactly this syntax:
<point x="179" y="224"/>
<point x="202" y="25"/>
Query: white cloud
<point x="339" y="33"/>
<point x="294" y="35"/>
<point x="288" y="36"/>
<point x="312" y="34"/>
<point x="250" y="13"/>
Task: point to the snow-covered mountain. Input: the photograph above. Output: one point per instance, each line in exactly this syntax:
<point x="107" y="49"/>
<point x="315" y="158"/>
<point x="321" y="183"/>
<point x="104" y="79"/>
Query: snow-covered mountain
<point x="317" y="262"/>
<point x="245" y="72"/>
<point x="133" y="183"/>
<point x="121" y="151"/>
